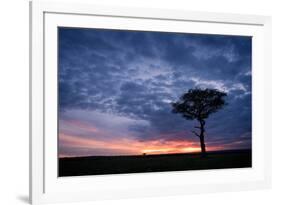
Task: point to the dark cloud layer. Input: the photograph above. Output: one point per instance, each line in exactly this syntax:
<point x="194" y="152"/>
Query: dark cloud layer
<point x="137" y="74"/>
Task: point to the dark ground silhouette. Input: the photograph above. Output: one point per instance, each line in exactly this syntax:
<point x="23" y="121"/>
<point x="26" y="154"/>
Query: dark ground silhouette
<point x="78" y="166"/>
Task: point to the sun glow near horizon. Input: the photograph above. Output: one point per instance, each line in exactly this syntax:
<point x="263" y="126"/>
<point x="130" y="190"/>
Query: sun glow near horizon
<point x="75" y="146"/>
<point x="171" y="150"/>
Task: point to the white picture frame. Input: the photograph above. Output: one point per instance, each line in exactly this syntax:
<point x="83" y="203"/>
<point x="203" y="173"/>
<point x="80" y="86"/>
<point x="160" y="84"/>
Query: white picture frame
<point x="46" y="187"/>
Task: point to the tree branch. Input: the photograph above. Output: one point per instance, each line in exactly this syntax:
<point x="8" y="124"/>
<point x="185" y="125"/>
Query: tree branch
<point x="196" y="133"/>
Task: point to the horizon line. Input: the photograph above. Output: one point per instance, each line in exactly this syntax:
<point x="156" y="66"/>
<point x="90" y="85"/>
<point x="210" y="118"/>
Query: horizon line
<point x="146" y="154"/>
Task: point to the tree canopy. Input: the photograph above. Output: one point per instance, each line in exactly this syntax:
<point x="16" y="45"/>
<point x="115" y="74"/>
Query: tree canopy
<point x="199" y="103"/>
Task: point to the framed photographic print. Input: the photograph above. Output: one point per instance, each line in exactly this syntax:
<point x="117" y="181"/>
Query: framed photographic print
<point x="128" y="102"/>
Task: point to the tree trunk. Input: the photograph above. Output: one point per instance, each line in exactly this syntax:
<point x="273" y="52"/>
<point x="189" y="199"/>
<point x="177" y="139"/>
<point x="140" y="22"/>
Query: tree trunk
<point x="202" y="137"/>
<point x="203" y="147"/>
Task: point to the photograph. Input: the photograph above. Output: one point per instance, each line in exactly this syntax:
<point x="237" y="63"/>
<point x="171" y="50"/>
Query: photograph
<point x="133" y="101"/>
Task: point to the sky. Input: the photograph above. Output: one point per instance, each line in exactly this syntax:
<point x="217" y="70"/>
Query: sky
<point x="116" y="88"/>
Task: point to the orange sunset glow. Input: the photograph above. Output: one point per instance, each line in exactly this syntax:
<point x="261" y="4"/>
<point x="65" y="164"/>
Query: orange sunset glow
<point x="130" y="147"/>
<point x="80" y="138"/>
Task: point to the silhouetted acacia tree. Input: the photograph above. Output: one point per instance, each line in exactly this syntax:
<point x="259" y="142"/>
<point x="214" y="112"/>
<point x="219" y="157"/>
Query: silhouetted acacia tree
<point x="199" y="104"/>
